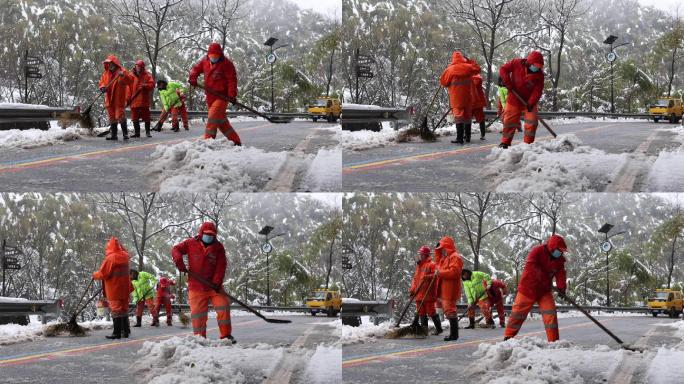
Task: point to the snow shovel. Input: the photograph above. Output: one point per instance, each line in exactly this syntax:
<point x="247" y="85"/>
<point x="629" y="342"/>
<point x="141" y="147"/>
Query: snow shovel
<point x="611" y="334"/>
<point x="72" y="326"/>
<point x="245" y="306"/>
<point x="425" y="132"/>
<point x="128" y="103"/>
<point x="538" y="118"/>
<point x="271" y="119"/>
<point x="403" y="331"/>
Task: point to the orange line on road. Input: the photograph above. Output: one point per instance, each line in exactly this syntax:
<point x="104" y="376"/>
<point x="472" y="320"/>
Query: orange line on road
<point x="379" y="358"/>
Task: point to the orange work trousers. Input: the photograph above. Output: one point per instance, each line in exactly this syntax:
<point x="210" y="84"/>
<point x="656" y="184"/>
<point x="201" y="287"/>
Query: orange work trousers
<point x="199" y="310"/>
<point x="218" y="121"/>
<point x="478" y="115"/>
<point x="450" y="310"/>
<point x="140" y="307"/>
<point x="175" y="112"/>
<point x="116" y="114"/>
<point x="427" y="308"/>
<point x="119" y="308"/>
<point x="499" y="305"/>
<point x="485" y="308"/>
<point x="511" y="123"/>
<point x="523" y="305"/>
<point x="462" y="115"/>
<point x="166" y="301"/>
<point x="141" y="113"/>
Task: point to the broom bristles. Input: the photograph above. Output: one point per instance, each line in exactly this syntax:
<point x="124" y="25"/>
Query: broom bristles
<point x="72" y="328"/>
<point x="184" y="319"/>
<point x="406" y="331"/>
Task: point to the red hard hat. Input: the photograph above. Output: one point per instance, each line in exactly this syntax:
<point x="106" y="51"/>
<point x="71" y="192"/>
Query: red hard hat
<point x="557" y="242"/>
<point x="140" y="64"/>
<point x="424" y="250"/>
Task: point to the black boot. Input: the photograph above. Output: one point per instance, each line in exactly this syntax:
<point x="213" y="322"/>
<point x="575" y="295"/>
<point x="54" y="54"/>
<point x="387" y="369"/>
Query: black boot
<point x="459" y="134"/>
<point x="231" y="338"/>
<point x="175" y="128"/>
<point x="415" y="324"/>
<point x="438" y="325"/>
<point x="424" y="324"/>
<point x="138" y="320"/>
<point x="169" y="322"/>
<point x="155" y="322"/>
<point x="503" y="146"/>
<point x="124" y="129"/>
<point x="482" y="130"/>
<point x="112" y="132"/>
<point x="147" y="129"/>
<point x="453" y="330"/>
<point x="136" y="129"/>
<point x="468" y="130"/>
<point x="126" y="331"/>
<point x="472" y="323"/>
<point x="118" y="321"/>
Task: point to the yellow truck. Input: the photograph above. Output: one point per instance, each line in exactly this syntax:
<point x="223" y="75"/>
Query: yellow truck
<point x="667" y="108"/>
<point x="324" y="301"/>
<point x="666" y="301"/>
<point x="327" y="108"/>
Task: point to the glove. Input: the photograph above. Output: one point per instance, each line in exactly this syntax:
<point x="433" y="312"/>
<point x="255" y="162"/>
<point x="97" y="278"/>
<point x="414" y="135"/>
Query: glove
<point x="412" y="293"/>
<point x="530" y="108"/>
<point x="193" y="82"/>
<point x="561" y="291"/>
<point x="173" y="297"/>
<point x="216" y="287"/>
<point x="120" y="74"/>
<point x="436" y="271"/>
<point x="103" y="89"/>
<point x="232" y="100"/>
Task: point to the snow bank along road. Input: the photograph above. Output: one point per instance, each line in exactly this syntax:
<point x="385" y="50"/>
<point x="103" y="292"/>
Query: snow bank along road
<point x="433" y="360"/>
<point x="621" y="157"/>
<point x="92" y="359"/>
<point x="93" y="164"/>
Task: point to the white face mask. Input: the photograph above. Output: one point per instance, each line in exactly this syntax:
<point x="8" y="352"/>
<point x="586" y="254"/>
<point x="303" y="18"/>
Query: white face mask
<point x="533" y="68"/>
<point x="556" y="253"/>
<point x="214" y="60"/>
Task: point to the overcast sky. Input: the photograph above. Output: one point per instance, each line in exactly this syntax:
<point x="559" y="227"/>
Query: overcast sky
<point x="665" y="5"/>
<point x="332" y="8"/>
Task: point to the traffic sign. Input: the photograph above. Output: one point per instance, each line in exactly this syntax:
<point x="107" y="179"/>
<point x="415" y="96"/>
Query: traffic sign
<point x="11" y="260"/>
<point x="611" y="56"/>
<point x="606" y="246"/>
<point x="12" y="252"/>
<point x="12" y="266"/>
<point x="271" y="58"/>
<point x="34" y="76"/>
<point x="266" y="248"/>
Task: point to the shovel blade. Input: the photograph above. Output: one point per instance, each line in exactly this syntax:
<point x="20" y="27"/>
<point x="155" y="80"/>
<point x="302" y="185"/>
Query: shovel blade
<point x="278" y="321"/>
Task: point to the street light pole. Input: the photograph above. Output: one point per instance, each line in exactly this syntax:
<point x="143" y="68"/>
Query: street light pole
<point x="272" y="91"/>
<point x="612" y="95"/>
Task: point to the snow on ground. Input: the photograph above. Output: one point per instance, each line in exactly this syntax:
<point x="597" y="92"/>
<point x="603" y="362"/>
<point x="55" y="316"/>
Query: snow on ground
<point x="666" y="365"/>
<point x="15" y="333"/>
<point x="324" y="173"/>
<point x="564" y="163"/>
<point x="365" y="139"/>
<point x="197" y="360"/>
<point x="366" y="332"/>
<point x="531" y="360"/>
<point x="218" y="165"/>
<point x="33" y="138"/>
<point x="23" y="106"/>
<point x="325" y="365"/>
<point x="667" y="173"/>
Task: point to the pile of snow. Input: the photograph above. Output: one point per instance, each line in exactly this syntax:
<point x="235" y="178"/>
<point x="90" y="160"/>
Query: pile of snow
<point x="551" y="165"/>
<point x="15" y="333"/>
<point x="33" y="138"/>
<point x="325" y="366"/>
<point x="533" y="360"/>
<point x="194" y="359"/>
<point x="215" y="165"/>
<point x="365" y="332"/>
<point x="325" y="172"/>
<point x="664" y="368"/>
<point x="667" y="173"/>
<point x="365" y="139"/>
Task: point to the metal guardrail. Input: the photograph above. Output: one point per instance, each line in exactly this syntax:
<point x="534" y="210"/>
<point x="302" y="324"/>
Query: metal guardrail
<point x="565" y="308"/>
<point x="551" y="115"/>
<point x="352" y="114"/>
<point x="367" y="308"/>
<point x="186" y="307"/>
<point x="30" y="307"/>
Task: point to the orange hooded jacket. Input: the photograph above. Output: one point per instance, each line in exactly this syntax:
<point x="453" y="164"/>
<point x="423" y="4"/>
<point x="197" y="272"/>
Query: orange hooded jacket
<point x="457" y="78"/>
<point x="116" y="94"/>
<point x="477" y="93"/>
<point x="114" y="271"/>
<point x="450" y="266"/>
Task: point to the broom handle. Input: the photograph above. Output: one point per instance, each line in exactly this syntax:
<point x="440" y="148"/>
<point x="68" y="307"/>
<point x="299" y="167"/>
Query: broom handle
<point x="403" y="313"/>
<point x="434" y="277"/>
<point x="90" y="283"/>
<point x="538" y="118"/>
<point x="233" y="101"/>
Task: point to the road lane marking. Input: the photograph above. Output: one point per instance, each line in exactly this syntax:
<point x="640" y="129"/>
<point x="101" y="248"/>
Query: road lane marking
<point x="285" y="178"/>
<point x="20" y="165"/>
<point x="383" y="357"/>
<point x="440" y="154"/>
<point x="282" y="372"/>
<point x="106" y="345"/>
<point x="627" y="175"/>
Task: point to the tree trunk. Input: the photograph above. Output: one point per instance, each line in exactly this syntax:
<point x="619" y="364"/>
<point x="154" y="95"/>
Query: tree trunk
<point x="671" y="264"/>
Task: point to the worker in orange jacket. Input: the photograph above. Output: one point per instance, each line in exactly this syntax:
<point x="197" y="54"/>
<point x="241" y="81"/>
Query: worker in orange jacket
<point x="114" y="272"/>
<point x="449" y="282"/>
<point x="424" y="291"/>
<point x="479" y="102"/>
<point x="114" y="83"/>
<point x="164" y="297"/>
<point x="458" y="78"/>
<point x="544" y="263"/>
<point x="139" y="94"/>
<point x="496" y="294"/>
<point x="207" y="259"/>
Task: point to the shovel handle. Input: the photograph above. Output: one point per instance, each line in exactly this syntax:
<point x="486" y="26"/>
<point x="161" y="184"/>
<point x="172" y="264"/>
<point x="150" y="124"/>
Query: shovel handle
<point x="234" y="102"/>
<point x="584" y="311"/>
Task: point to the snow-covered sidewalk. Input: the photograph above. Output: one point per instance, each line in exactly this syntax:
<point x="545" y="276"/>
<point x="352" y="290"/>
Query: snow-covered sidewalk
<point x="33" y="138"/>
<point x="15" y="333"/>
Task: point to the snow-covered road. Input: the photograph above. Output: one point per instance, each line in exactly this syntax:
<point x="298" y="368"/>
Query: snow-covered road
<point x="299" y="156"/>
<point x="615" y="156"/>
